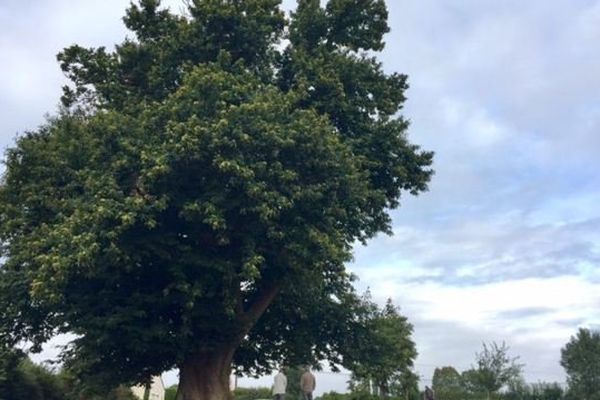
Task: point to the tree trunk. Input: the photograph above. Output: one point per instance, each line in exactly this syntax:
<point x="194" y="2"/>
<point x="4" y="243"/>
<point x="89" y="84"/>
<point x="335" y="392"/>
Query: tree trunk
<point x="206" y="377"/>
<point x="147" y="391"/>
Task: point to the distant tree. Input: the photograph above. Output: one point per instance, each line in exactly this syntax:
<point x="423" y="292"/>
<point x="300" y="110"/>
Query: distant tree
<point x="470" y="382"/>
<point x="76" y="389"/>
<point x="385" y="353"/>
<point x="255" y="393"/>
<point x="406" y="386"/>
<point x="196" y="199"/>
<point x="21" y="379"/>
<point x="10" y="359"/>
<point x="581" y="360"/>
<point x="495" y="369"/>
<point x="519" y="390"/>
<point x="547" y="391"/>
<point x="447" y="384"/>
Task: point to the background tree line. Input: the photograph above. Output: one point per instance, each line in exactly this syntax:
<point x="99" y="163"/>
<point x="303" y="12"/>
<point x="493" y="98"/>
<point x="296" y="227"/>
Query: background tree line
<point x="22" y="379"/>
<point x="496" y="375"/>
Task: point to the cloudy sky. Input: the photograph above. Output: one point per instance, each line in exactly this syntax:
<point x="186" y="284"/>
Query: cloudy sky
<point x="506" y="244"/>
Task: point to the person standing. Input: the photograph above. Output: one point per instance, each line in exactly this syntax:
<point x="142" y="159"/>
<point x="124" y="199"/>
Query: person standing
<point x="307" y="384"/>
<point x="280" y="384"/>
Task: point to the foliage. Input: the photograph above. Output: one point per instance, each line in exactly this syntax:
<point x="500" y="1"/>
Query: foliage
<point x="496" y="376"/>
<point x="384" y="353"/>
<point x="363" y="395"/>
<point x="494" y="370"/>
<point x="202" y="188"/>
<point x="546" y="391"/>
<point x="581" y="360"/>
<point x="76" y="389"/>
<point x="9" y="360"/>
<point x="171" y="392"/>
<point x="21" y="379"/>
<point x="470" y="382"/>
<point x="293" y="374"/>
<point x="119" y="393"/>
<point x="24" y="380"/>
<point x="252" y="393"/>
<point x="447" y="384"/>
<point x="334" y="396"/>
<point x="536" y="391"/>
<point x="406" y="386"/>
<point x="353" y="395"/>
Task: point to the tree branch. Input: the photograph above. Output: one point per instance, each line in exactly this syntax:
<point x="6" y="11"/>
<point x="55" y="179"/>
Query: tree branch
<point x="259" y="305"/>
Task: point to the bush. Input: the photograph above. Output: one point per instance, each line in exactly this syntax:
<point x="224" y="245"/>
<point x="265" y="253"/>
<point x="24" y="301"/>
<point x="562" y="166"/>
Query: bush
<point x="334" y="396"/>
<point x="252" y="393"/>
<point x="29" y="381"/>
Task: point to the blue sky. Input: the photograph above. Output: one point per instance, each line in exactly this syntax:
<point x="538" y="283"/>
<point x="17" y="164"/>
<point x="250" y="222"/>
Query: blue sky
<point x="506" y="244"/>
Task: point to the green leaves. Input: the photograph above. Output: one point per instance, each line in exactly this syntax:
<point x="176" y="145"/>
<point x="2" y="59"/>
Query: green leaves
<point x="352" y="24"/>
<point x="196" y="172"/>
<point x="495" y="370"/>
<point x="447" y="383"/>
<point x="580" y="358"/>
<point x="383" y="351"/>
<point x="357" y="24"/>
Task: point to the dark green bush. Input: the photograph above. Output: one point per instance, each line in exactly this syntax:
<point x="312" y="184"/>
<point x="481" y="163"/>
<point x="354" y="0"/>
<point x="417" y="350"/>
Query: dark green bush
<point x="252" y="393"/>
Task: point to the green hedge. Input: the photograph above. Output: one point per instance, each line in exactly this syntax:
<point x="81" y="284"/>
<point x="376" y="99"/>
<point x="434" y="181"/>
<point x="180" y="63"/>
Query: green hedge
<point x="252" y="393"/>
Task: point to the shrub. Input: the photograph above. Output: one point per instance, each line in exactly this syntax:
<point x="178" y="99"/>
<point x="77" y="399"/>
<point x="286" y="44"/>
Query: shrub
<point x="252" y="393"/>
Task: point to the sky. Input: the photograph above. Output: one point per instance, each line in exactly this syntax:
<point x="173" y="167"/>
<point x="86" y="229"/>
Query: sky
<point x="505" y="246"/>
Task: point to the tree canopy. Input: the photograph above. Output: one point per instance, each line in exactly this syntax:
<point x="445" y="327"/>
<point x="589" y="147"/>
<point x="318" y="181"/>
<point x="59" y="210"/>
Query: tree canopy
<point x="22" y="379"/>
<point x="384" y="353"/>
<point x="194" y="202"/>
<point x="581" y="360"/>
<point x="447" y="384"/>
<point x="495" y="370"/>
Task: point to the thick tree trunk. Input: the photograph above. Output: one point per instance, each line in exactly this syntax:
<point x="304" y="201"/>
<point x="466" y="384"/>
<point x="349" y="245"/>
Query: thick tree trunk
<point x="206" y="377"/>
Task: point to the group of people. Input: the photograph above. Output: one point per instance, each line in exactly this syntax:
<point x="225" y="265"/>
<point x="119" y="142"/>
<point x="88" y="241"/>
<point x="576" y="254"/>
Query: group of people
<point x="307" y="384"/>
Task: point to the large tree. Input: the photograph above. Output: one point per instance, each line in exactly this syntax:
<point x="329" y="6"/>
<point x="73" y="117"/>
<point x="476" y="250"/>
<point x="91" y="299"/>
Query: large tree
<point x="194" y="202"/>
<point x="581" y="360"/>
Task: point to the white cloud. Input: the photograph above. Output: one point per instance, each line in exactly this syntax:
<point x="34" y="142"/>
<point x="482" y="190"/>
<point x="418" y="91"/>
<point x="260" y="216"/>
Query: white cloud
<point x="535" y="316"/>
<point x="477" y="129"/>
<point x="566" y="297"/>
